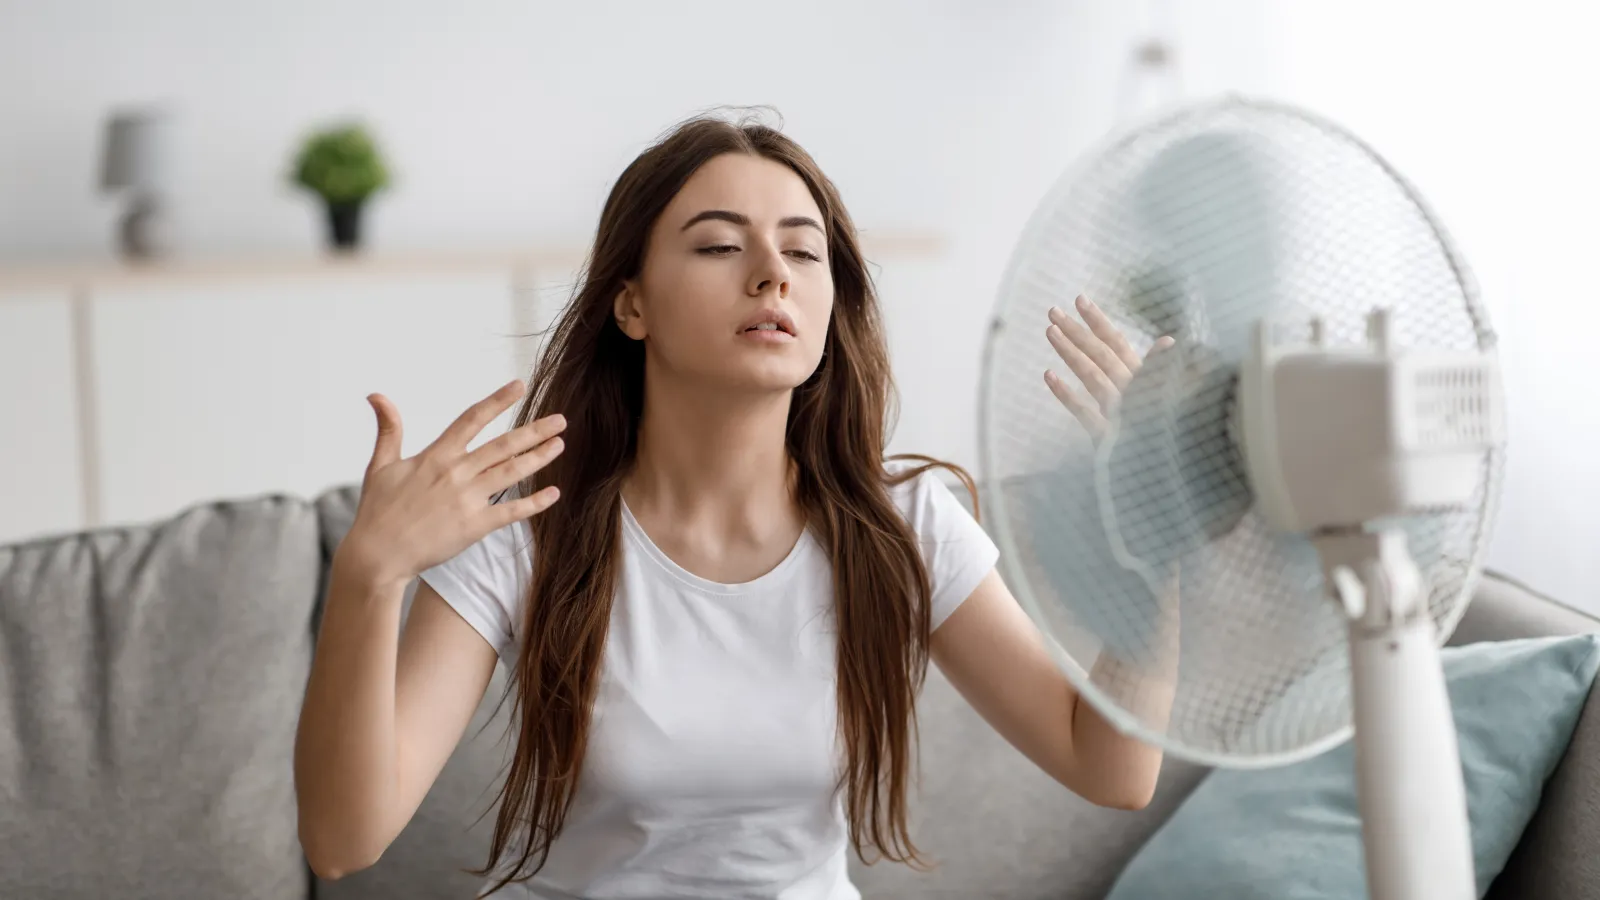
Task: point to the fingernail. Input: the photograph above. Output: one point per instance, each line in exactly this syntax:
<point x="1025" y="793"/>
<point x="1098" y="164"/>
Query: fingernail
<point x="558" y="420"/>
<point x="1054" y="311"/>
<point x="1083" y="302"/>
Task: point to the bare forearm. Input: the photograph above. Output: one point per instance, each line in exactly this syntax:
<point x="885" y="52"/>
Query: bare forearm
<point x="1124" y="768"/>
<point x="345" y="751"/>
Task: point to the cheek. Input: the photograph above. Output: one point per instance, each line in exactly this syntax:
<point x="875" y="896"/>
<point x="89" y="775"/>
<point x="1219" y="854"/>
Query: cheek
<point x="681" y="304"/>
<point x="816" y="309"/>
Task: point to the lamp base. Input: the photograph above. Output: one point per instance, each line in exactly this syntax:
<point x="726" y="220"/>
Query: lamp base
<point x="145" y="233"/>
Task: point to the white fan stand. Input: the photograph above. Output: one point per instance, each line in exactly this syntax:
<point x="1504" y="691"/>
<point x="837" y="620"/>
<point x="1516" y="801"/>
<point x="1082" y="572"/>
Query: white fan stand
<point x="1337" y="440"/>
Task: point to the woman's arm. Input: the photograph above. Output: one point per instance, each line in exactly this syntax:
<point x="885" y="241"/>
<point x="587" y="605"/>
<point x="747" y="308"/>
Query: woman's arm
<point x="994" y="655"/>
<point x="382" y="715"/>
<point x="997" y="659"/>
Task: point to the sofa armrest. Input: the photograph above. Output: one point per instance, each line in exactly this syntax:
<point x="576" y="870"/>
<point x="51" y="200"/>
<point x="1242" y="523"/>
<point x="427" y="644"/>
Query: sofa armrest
<point x="1504" y="609"/>
<point x="1555" y="858"/>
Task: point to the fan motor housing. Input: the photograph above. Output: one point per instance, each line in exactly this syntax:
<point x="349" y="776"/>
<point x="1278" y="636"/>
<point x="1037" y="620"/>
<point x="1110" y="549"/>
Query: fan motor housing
<point x="1338" y="436"/>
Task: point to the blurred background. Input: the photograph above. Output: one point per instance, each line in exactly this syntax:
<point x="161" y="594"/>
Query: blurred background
<point x="176" y="327"/>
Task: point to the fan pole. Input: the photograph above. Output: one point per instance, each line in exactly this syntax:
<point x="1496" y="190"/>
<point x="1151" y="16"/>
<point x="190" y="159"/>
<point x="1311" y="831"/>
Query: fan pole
<point x="1409" y="785"/>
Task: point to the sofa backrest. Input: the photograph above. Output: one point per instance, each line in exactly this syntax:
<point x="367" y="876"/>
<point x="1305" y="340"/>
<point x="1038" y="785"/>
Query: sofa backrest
<point x="150" y="682"/>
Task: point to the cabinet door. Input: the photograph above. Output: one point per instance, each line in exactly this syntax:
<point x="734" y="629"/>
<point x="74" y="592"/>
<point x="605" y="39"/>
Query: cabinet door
<point x="40" y="491"/>
<point x="233" y="388"/>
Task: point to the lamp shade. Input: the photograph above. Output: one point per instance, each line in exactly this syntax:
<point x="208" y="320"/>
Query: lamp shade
<point x="136" y="152"/>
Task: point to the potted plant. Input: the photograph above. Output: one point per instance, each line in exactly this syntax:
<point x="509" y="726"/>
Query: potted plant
<point x="342" y="165"/>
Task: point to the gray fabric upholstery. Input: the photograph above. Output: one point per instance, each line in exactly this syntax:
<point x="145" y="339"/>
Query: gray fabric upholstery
<point x="1020" y="835"/>
<point x="1504" y="609"/>
<point x="1556" y="856"/>
<point x="451" y="830"/>
<point x="150" y="681"/>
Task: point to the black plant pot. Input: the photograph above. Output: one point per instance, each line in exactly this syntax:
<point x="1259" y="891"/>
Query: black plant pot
<point x="344" y="225"/>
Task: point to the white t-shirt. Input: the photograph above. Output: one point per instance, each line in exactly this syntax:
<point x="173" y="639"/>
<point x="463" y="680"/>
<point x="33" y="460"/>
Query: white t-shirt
<point x="712" y="756"/>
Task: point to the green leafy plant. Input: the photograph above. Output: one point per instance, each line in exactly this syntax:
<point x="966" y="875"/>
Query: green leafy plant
<point x="342" y="164"/>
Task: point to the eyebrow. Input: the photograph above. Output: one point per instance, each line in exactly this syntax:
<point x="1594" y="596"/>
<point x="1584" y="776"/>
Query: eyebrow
<point x="725" y="215"/>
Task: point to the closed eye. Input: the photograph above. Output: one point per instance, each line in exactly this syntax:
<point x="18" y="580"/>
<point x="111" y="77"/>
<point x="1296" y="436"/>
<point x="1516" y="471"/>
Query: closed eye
<point x="725" y="249"/>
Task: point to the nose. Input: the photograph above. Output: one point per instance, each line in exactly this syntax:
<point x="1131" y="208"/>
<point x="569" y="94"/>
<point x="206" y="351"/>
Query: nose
<point x="769" y="273"/>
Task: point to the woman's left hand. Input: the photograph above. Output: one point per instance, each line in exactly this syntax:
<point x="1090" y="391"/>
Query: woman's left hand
<point x="1103" y="360"/>
<point x="1099" y="355"/>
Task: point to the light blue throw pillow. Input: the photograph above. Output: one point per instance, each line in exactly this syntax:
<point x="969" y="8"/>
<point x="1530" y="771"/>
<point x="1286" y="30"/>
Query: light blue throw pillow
<point x="1293" y="833"/>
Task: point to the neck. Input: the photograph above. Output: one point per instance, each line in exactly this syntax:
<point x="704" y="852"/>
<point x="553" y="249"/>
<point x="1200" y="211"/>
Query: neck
<point x="711" y="454"/>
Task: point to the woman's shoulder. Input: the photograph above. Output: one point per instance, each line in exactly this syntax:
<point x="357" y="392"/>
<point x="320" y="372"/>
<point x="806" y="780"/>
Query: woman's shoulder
<point x="934" y="491"/>
<point x="957" y="551"/>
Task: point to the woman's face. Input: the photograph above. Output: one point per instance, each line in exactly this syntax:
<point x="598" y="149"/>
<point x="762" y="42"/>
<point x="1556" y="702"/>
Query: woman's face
<point x="736" y="289"/>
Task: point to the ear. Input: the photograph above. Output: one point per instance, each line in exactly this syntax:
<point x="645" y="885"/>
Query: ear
<point x="628" y="311"/>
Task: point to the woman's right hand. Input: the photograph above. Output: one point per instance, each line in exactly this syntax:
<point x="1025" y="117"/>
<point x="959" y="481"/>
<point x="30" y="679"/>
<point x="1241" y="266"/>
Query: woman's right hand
<point x="417" y="512"/>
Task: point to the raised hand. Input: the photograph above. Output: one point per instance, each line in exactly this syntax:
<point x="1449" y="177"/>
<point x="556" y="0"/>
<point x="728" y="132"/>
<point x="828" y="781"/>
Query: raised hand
<point x="1099" y="355"/>
<point x="417" y="512"/>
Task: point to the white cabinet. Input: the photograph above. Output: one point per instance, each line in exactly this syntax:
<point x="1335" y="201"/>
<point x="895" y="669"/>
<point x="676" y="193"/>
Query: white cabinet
<point x="226" y="390"/>
<point x="127" y="395"/>
<point x="40" y="486"/>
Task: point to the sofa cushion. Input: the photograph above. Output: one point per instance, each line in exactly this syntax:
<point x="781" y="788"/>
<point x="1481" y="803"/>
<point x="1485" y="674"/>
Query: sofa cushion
<point x="1555" y="858"/>
<point x="150" y="684"/>
<point x="1295" y="831"/>
<point x="450" y="831"/>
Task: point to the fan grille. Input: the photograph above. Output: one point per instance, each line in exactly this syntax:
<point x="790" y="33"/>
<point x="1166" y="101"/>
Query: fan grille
<point x="1197" y="226"/>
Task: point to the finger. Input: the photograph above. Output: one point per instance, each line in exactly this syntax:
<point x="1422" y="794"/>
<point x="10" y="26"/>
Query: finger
<point x="517" y="468"/>
<point x="386" y="449"/>
<point x="525" y="507"/>
<point x="1099" y="385"/>
<point x="1077" y="404"/>
<point x="1102" y="327"/>
<point x="1093" y="347"/>
<point x="455" y="438"/>
<point x="1165" y="342"/>
<point x="515" y="441"/>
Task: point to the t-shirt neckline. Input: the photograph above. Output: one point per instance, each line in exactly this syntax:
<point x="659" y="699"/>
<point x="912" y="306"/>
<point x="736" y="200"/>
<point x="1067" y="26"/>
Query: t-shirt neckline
<point x="641" y="539"/>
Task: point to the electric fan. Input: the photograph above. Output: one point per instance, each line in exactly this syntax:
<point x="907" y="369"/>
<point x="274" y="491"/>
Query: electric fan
<point x="1285" y="512"/>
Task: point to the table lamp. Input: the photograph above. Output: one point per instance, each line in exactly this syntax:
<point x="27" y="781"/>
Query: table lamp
<point x="135" y="159"/>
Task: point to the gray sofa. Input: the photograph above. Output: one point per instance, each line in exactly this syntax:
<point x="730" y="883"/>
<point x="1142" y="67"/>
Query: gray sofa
<point x="150" y="679"/>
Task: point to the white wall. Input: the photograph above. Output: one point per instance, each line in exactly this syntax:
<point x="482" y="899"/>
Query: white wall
<point x="1489" y="109"/>
<point x="507" y="120"/>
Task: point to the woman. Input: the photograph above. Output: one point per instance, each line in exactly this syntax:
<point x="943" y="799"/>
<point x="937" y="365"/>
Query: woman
<point x="718" y="636"/>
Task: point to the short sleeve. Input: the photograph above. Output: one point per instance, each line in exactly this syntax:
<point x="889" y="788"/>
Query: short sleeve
<point x="955" y="548"/>
<point x="487" y="584"/>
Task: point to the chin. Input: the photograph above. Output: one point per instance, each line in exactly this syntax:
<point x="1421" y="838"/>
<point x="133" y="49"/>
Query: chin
<point x="774" y="376"/>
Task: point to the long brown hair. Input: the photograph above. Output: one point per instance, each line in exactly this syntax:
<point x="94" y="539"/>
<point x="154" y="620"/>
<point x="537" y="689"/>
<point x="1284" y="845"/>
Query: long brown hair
<point x="593" y="374"/>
